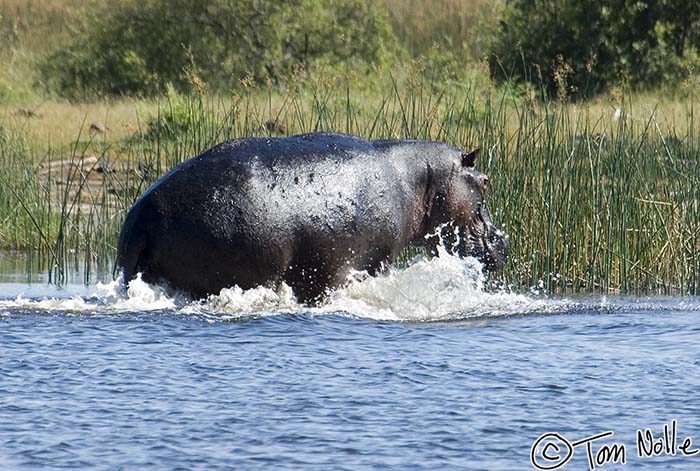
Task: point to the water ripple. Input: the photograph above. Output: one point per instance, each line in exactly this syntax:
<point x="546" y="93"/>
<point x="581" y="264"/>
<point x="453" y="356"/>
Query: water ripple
<point x="98" y="378"/>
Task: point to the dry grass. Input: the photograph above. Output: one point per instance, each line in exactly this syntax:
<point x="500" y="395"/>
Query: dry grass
<point x="59" y="123"/>
<point x="420" y="24"/>
<point x="35" y="21"/>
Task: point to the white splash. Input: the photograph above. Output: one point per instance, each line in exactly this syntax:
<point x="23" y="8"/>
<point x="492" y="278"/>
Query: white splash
<point x="445" y="287"/>
<point x="442" y="288"/>
<point x="74" y="303"/>
<point x="235" y="303"/>
<point x="107" y="297"/>
<point x="140" y="296"/>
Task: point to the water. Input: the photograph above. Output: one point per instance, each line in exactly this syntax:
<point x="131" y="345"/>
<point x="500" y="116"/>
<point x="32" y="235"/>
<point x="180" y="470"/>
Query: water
<point x="420" y="369"/>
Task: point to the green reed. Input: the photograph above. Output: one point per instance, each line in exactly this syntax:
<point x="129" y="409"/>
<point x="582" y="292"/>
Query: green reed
<point x="591" y="204"/>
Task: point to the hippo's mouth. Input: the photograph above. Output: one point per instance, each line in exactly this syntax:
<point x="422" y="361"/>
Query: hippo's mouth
<point x="486" y="242"/>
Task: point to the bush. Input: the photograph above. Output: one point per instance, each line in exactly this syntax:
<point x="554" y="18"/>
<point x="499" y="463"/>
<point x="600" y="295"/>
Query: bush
<point x="580" y="47"/>
<point x="141" y="46"/>
<point x="178" y="116"/>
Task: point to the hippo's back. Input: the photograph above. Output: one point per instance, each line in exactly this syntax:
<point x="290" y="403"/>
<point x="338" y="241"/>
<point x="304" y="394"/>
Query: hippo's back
<point x="241" y="212"/>
<point x="272" y="182"/>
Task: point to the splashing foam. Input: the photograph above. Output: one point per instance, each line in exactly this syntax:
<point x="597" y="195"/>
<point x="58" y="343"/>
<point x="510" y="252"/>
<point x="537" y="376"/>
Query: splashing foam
<point x="236" y="303"/>
<point x="442" y="288"/>
<point x="109" y="297"/>
<point x="445" y="287"/>
<point x="140" y="296"/>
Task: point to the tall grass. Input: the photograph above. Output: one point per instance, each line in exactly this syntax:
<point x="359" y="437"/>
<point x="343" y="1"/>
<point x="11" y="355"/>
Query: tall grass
<point x="420" y="25"/>
<point x="592" y="204"/>
<point x="23" y="208"/>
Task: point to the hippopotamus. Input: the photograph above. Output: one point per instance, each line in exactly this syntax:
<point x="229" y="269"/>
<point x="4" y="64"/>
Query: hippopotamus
<point x="305" y="210"/>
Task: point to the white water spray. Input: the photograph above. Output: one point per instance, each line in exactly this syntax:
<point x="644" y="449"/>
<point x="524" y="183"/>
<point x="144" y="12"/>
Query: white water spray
<point x="445" y="287"/>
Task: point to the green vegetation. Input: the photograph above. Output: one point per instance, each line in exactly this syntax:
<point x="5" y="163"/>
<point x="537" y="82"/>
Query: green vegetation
<point x="460" y="24"/>
<point x="590" y="204"/>
<point x="146" y="45"/>
<point x="580" y="47"/>
<point x="598" y="195"/>
<point x="84" y="49"/>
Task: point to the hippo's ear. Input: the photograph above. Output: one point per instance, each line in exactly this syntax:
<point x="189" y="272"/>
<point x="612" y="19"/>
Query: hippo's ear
<point x="468" y="158"/>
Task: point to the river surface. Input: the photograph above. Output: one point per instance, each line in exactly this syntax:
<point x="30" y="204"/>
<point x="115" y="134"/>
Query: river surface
<point x="418" y="369"/>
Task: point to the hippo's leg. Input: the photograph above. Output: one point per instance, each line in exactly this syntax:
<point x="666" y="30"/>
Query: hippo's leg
<point x="309" y="280"/>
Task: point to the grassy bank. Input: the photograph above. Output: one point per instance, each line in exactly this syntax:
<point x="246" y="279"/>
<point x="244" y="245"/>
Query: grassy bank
<point x="592" y="202"/>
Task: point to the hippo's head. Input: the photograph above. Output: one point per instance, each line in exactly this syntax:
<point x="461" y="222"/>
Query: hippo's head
<point x="465" y="204"/>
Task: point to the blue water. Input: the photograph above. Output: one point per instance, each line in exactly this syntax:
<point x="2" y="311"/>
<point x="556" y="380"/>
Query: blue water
<point x="86" y="387"/>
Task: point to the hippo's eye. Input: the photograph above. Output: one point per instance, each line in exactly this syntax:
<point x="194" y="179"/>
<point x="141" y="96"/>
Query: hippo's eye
<point x="484" y="182"/>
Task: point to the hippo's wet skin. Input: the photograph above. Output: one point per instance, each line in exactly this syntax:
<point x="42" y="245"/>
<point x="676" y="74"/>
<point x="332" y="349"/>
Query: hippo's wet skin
<point x="305" y="210"/>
